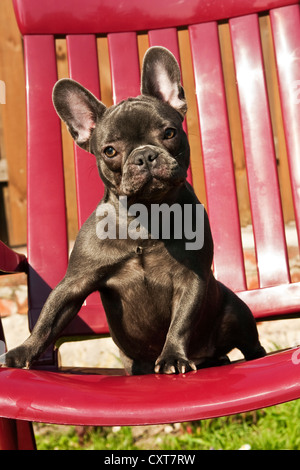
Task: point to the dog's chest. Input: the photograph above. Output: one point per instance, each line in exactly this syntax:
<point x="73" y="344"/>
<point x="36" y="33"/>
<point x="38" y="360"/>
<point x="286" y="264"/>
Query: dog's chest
<point x="146" y="270"/>
<point x="140" y="291"/>
<point x="138" y="302"/>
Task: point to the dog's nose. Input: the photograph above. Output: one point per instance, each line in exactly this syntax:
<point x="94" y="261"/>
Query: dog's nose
<point x="145" y="157"/>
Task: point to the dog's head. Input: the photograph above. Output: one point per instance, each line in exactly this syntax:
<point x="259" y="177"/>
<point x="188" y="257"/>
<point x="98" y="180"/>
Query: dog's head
<point x="139" y="144"/>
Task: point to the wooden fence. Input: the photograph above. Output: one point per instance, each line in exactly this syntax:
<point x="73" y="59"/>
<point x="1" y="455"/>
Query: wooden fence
<point x="13" y="123"/>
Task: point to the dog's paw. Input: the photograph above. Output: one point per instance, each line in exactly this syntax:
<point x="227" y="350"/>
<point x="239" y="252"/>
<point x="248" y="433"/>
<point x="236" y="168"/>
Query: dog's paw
<point x="15" y="358"/>
<point x="173" y="365"/>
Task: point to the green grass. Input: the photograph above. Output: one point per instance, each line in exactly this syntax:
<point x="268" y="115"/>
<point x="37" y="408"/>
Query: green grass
<point x="66" y="438"/>
<point x="274" y="428"/>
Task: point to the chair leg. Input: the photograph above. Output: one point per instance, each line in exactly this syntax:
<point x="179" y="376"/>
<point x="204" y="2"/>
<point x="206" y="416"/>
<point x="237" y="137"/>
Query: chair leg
<point x="8" y="434"/>
<point x="26" y="440"/>
<point x="16" y="435"/>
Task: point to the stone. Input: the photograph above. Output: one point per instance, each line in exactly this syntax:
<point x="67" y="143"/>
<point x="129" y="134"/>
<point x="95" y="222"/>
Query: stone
<point x="7" y="308"/>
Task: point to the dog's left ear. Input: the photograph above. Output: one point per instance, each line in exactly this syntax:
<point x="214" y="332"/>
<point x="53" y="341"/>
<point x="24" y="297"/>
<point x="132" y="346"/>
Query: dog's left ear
<point x="161" y="78"/>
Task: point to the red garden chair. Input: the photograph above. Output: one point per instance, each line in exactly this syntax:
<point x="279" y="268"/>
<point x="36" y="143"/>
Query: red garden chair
<point x="46" y="394"/>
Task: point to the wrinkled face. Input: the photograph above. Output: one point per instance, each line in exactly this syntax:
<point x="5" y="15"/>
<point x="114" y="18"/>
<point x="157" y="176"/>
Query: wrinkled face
<point x="141" y="148"/>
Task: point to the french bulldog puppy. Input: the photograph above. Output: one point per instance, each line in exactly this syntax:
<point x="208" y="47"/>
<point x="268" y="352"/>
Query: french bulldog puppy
<point x="166" y="311"/>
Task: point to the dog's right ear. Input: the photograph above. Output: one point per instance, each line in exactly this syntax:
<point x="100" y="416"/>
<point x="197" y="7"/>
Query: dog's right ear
<point x="78" y="108"/>
<point x="161" y="78"/>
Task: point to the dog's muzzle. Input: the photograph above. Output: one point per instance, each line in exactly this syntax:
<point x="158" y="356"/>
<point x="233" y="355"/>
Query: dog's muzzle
<point x="147" y="165"/>
<point x="144" y="157"/>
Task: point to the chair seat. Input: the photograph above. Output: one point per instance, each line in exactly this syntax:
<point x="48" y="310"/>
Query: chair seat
<point x="90" y="399"/>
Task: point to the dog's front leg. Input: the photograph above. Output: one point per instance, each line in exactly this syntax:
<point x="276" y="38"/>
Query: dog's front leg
<point x="62" y="305"/>
<point x="187" y="302"/>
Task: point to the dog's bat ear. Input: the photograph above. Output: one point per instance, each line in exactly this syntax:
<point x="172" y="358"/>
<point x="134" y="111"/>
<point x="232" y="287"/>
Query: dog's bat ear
<point x="161" y="78"/>
<point x="78" y="108"/>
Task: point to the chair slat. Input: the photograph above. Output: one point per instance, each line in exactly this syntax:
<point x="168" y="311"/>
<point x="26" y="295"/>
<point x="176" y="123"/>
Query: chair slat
<point x="263" y="183"/>
<point x="286" y="35"/>
<point x="83" y="67"/>
<point x="273" y="302"/>
<point x="168" y="38"/>
<point x="47" y="234"/>
<point x="217" y="155"/>
<point x="124" y="61"/>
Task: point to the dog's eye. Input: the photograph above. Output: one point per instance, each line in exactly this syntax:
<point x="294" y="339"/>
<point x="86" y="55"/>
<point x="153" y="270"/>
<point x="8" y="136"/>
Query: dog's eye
<point x="169" y="133"/>
<point x="110" y="152"/>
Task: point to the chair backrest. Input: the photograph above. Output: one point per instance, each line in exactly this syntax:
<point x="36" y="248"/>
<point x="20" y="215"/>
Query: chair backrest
<point x="119" y="21"/>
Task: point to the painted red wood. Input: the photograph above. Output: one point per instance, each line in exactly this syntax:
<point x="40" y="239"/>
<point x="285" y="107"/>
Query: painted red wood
<point x="286" y="33"/>
<point x="149" y="399"/>
<point x="124" y="62"/>
<point x="101" y="16"/>
<point x="47" y="234"/>
<point x="168" y="38"/>
<point x="263" y="184"/>
<point x="217" y="155"/>
<point x="83" y="67"/>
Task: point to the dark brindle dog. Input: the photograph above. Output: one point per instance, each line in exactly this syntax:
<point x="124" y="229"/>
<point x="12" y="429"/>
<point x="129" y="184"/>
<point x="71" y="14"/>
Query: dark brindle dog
<point x="165" y="310"/>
